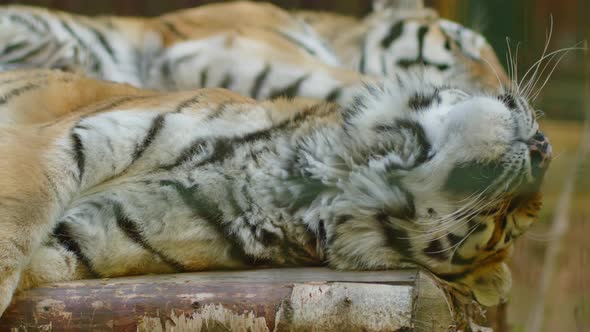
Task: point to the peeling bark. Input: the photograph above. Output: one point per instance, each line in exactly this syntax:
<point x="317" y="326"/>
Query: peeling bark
<point x="261" y="300"/>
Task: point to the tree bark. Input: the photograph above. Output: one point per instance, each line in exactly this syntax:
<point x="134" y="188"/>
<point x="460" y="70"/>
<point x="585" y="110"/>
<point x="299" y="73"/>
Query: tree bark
<point x="303" y="299"/>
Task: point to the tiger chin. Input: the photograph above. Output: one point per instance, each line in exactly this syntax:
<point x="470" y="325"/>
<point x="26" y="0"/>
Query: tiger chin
<point x="108" y="180"/>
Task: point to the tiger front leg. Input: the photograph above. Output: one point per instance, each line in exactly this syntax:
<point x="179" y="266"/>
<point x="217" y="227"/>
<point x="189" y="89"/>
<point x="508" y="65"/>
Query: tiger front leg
<point x="33" y="189"/>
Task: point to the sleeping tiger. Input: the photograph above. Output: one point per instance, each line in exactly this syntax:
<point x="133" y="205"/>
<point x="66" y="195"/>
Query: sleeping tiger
<point x="255" y="49"/>
<point x="101" y="179"/>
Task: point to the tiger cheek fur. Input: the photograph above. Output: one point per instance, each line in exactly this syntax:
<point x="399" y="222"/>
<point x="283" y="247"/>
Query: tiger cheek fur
<point x="480" y="266"/>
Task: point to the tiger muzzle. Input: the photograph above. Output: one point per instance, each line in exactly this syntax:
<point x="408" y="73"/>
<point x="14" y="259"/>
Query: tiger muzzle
<point x="540" y="150"/>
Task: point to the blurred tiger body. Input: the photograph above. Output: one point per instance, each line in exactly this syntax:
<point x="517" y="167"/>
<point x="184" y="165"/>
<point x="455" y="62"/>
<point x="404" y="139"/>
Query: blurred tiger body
<point x="255" y="49"/>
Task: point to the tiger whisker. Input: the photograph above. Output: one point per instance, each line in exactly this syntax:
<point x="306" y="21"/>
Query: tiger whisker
<point x="495" y="73"/>
<point x="447" y="227"/>
<point x="550" y="55"/>
<point x="536" y="95"/>
<point x="510" y="61"/>
<point x="548" y="35"/>
<point x="463" y="222"/>
<point x="452" y="216"/>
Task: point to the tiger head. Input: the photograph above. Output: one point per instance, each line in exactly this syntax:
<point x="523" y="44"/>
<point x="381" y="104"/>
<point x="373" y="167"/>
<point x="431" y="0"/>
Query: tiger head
<point x="446" y="179"/>
<point x="404" y="35"/>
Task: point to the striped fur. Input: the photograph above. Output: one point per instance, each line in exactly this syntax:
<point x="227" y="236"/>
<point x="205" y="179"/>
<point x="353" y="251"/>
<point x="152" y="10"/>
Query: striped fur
<point x="254" y="49"/>
<point x="108" y="180"/>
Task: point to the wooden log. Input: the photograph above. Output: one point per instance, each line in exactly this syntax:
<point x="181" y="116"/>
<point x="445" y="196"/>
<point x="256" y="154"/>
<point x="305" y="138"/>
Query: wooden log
<point x="302" y="299"/>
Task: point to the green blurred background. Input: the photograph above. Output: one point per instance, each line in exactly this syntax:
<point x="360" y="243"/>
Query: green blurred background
<point x="565" y="100"/>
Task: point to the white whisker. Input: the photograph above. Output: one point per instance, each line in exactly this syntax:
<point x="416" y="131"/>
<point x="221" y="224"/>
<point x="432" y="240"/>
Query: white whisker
<point x="550" y="74"/>
<point x="536" y="65"/>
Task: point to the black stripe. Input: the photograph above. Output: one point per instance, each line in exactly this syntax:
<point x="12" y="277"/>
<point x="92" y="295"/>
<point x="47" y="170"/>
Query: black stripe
<point x="416" y="130"/>
<point x="460" y="260"/>
<point x="358" y="105"/>
<point x="63" y="234"/>
<point x="43" y="22"/>
<point x="453" y="277"/>
<point x="196" y="147"/>
<point x="166" y="72"/>
<point x="188" y="103"/>
<point x="395" y="32"/>
<point x="179" y="61"/>
<point x="363" y="58"/>
<point x="436" y="251"/>
<point x="454" y="239"/>
<point x="204" y="77"/>
<point x="422" y="31"/>
<point x="210" y="212"/>
<point x="79" y="156"/>
<point x="174" y="30"/>
<point x="407" y="63"/>
<point x="322" y="236"/>
<point x="476" y="227"/>
<point x="219" y="111"/>
<point x="32" y="52"/>
<point x="509" y="101"/>
<point x="420" y="135"/>
<point x="295" y="41"/>
<point x="104" y="43"/>
<point x="97" y="65"/>
<point x="116" y="103"/>
<point x="259" y="81"/>
<point x="421" y="100"/>
<point x="155" y="128"/>
<point x="222" y="148"/>
<point x="227" y="81"/>
<point x="214" y="151"/>
<point x="420" y="60"/>
<point x="395" y="238"/>
<point x="447" y="43"/>
<point x="334" y="94"/>
<point x="290" y="91"/>
<point x="15" y="47"/>
<point x="130" y="228"/>
<point x="18" y="91"/>
<point x="20" y="19"/>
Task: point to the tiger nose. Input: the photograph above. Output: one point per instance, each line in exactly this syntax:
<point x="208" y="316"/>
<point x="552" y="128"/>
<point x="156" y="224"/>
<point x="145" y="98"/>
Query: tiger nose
<point x="540" y="150"/>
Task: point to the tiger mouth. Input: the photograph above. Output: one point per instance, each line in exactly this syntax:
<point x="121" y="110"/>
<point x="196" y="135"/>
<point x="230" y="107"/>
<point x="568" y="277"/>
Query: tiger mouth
<point x="522" y="211"/>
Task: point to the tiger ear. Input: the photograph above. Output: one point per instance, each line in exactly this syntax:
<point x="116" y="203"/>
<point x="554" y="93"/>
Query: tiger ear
<point x="379" y="5"/>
